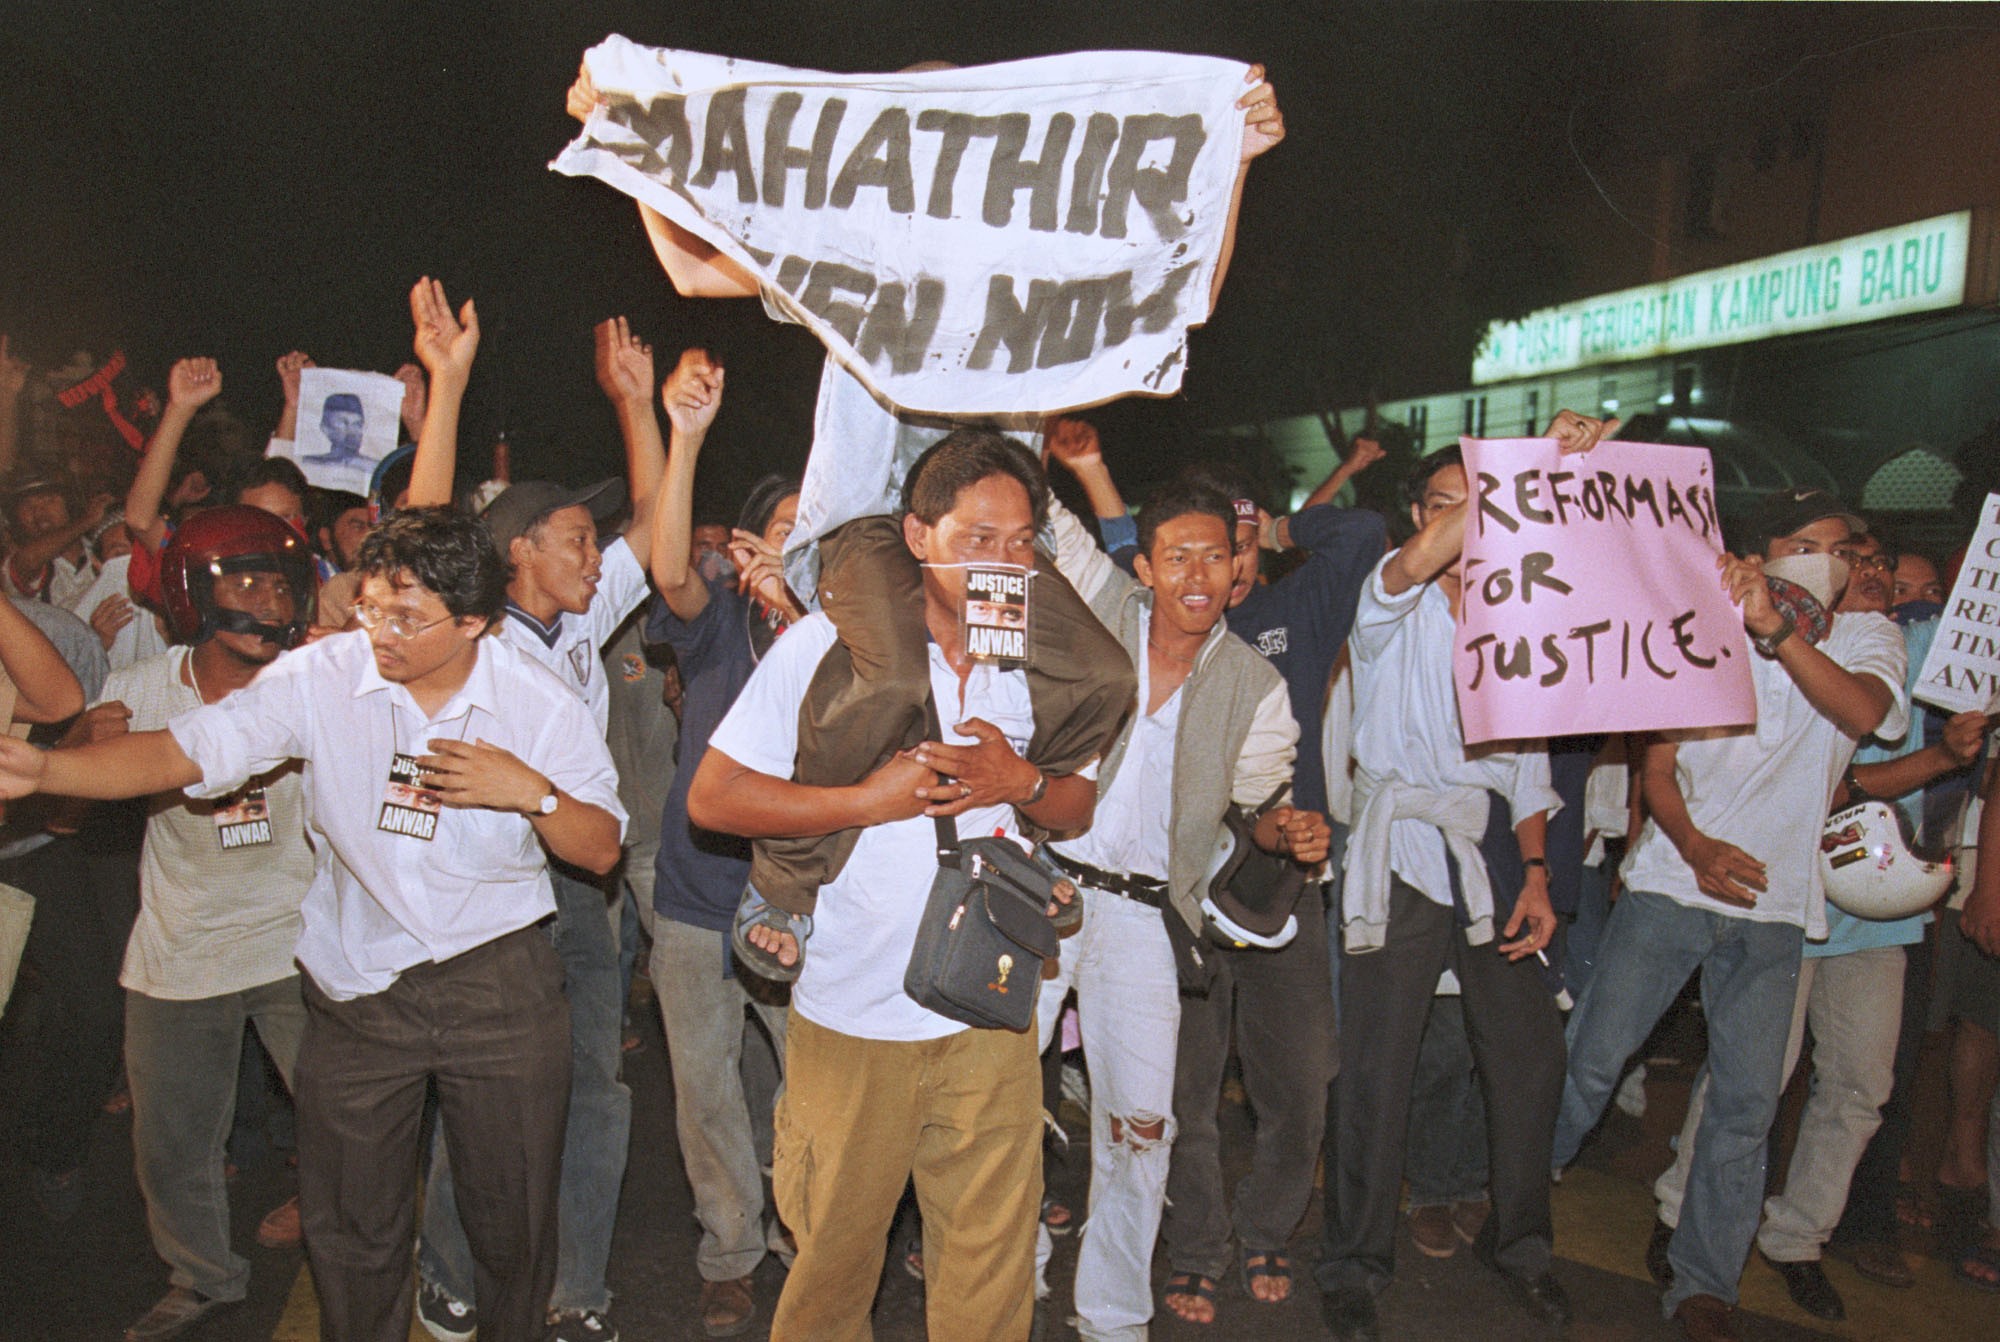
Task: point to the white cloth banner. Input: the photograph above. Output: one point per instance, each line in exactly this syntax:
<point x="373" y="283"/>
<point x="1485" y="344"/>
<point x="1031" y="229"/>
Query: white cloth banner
<point x="1027" y="237"/>
<point x="348" y="421"/>
<point x="1961" y="672"/>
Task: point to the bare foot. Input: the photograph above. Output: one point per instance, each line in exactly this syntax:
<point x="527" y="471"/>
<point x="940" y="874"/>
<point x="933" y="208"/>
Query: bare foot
<point x="1191" y="1296"/>
<point x="770" y="939"/>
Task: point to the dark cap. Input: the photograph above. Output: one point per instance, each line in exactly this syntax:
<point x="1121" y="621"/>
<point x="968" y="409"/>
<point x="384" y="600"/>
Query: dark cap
<point x="30" y="482"/>
<point x="1784" y="512"/>
<point x="520" y="506"/>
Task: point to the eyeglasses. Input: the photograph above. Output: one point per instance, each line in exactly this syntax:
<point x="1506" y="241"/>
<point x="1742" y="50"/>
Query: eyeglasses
<point x="1878" y="561"/>
<point x="371" y="618"/>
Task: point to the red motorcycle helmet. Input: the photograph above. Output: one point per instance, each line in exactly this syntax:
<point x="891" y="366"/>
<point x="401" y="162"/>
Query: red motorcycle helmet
<point x="234" y="539"/>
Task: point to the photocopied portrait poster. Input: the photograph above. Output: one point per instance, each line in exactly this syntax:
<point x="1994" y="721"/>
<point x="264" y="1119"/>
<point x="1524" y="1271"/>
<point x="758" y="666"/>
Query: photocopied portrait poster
<point x="348" y="422"/>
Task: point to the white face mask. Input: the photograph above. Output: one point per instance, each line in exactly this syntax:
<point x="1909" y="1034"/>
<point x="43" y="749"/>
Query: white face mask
<point x="1824" y="575"/>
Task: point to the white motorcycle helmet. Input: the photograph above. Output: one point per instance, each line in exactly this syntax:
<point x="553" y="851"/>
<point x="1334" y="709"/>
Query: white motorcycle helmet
<point x="1870" y="872"/>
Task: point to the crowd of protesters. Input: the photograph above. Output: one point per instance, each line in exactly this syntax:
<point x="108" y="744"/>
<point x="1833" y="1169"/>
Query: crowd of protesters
<point x="417" y="777"/>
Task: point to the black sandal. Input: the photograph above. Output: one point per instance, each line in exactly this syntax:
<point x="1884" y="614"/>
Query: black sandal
<point x="1190" y="1284"/>
<point x="753" y="911"/>
<point x="1259" y="1263"/>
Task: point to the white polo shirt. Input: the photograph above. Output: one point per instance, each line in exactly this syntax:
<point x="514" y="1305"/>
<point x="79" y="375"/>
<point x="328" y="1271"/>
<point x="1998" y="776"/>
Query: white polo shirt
<point x="383" y="901"/>
<point x="865" y="924"/>
<point x="1766" y="789"/>
<point x="573" y="648"/>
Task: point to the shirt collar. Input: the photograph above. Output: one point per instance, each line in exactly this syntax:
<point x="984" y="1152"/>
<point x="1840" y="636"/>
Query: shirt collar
<point x="547" y="633"/>
<point x="481" y="689"/>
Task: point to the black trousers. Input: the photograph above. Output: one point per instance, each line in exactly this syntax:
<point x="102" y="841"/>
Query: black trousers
<point x="83" y="914"/>
<point x="1279" y="1007"/>
<point x="1517" y="1046"/>
<point x="492" y="1027"/>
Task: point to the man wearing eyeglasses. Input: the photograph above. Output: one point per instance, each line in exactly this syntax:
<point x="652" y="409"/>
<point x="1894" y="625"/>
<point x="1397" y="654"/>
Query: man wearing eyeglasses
<point x="438" y="764"/>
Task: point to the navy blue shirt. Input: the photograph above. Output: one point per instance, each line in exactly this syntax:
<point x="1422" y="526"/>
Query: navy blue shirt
<point x="699" y="874"/>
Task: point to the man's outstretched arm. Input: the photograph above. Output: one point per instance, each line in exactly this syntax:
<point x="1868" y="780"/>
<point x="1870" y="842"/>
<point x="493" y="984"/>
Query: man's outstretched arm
<point x="134" y="765"/>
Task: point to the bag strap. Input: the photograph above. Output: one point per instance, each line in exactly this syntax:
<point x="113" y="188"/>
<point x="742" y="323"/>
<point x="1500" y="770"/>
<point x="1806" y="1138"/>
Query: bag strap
<point x="947" y="828"/>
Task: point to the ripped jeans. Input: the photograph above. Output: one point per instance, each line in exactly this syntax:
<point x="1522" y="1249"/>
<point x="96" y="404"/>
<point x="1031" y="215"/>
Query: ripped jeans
<point x="1129" y="1007"/>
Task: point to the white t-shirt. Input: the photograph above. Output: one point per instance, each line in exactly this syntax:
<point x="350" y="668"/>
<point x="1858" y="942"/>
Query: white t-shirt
<point x="1767" y="789"/>
<point x="1406" y="725"/>
<point x="219" y="889"/>
<point x="383" y="900"/>
<point x="574" y="649"/>
<point x="1129" y="831"/>
<point x="865" y="924"/>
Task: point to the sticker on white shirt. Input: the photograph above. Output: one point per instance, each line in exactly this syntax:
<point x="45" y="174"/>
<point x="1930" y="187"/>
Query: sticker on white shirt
<point x="995" y="617"/>
<point x="408" y="807"/>
<point x="244" y="820"/>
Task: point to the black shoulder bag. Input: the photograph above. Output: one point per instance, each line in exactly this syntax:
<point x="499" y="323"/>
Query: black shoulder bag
<point x="985" y="931"/>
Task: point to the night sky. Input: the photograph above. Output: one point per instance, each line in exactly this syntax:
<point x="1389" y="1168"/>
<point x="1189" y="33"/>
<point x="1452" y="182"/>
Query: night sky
<point x="240" y="179"/>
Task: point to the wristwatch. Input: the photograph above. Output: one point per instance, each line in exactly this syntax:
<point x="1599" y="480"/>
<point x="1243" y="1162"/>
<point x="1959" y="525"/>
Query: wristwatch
<point x="1041" y="789"/>
<point x="1768" y="644"/>
<point x="547" y="805"/>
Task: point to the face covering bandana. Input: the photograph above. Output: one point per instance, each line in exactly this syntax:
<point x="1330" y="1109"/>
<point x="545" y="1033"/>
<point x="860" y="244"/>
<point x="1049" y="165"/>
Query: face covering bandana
<point x="1916" y="612"/>
<point x="1825" y="576"/>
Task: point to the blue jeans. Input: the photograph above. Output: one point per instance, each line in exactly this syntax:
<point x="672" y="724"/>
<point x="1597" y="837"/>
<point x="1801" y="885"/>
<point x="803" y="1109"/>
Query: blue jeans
<point x="1586" y="929"/>
<point x="600" y="1121"/>
<point x="1749" y="979"/>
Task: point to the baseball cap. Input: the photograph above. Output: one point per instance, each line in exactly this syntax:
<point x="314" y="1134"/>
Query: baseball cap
<point x="522" y="505"/>
<point x="1783" y="512"/>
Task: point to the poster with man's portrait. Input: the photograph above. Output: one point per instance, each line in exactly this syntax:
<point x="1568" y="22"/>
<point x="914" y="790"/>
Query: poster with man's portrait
<point x="348" y="422"/>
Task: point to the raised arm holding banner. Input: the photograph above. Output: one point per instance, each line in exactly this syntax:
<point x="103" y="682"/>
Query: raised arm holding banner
<point x="990" y="244"/>
<point x="1025" y="237"/>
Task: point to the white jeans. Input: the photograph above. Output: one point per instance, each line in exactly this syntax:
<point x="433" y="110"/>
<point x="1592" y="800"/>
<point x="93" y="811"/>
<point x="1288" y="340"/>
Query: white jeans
<point x="1855" y="1005"/>
<point x="1129" y="1007"/>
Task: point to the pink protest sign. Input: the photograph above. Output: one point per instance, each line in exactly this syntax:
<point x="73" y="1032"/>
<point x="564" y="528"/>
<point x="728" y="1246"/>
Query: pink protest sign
<point x="1592" y="601"/>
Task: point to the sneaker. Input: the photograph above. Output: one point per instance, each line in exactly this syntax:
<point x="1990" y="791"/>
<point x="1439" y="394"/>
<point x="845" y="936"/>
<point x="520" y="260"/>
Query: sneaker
<point x="173" y="1314"/>
<point x="445" y="1318"/>
<point x="581" y="1325"/>
<point x="280" y="1228"/>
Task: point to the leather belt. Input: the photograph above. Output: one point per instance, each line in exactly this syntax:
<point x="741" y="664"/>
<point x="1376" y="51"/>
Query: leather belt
<point x="1145" y="889"/>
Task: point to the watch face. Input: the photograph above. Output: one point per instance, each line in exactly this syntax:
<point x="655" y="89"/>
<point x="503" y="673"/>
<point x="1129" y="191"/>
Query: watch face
<point x="549" y="804"/>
